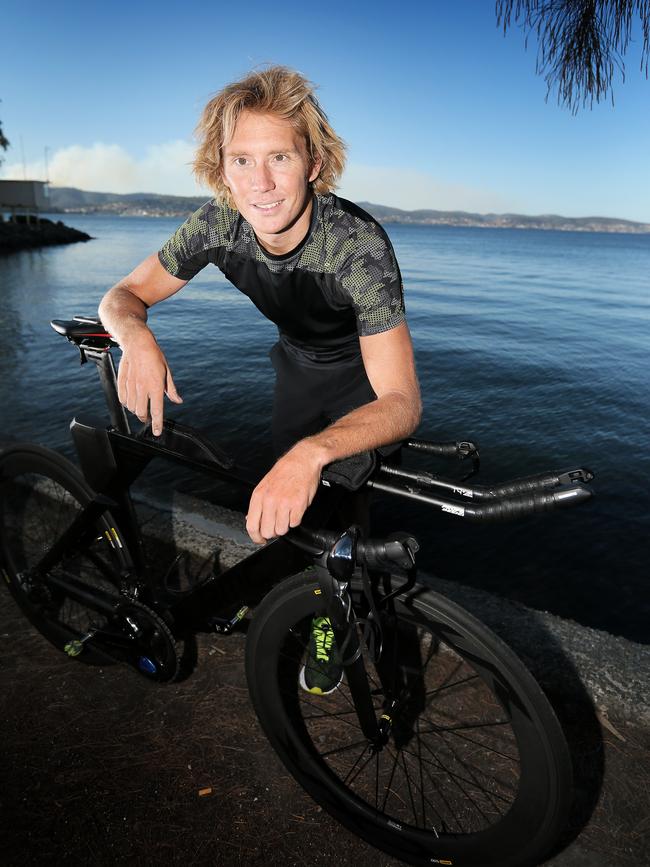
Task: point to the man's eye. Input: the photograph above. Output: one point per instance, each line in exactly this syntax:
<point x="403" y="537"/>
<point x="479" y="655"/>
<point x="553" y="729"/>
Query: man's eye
<point x="281" y="158"/>
<point x="240" y="161"/>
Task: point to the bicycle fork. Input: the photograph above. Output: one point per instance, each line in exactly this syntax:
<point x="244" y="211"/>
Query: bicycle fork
<point x="334" y="575"/>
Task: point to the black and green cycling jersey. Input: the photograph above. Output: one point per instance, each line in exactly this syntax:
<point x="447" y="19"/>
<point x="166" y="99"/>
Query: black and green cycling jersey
<point x="341" y="281"/>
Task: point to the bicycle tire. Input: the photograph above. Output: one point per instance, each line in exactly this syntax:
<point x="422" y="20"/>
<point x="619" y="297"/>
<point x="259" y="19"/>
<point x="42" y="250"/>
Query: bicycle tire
<point x="40" y="494"/>
<point x="476" y="771"/>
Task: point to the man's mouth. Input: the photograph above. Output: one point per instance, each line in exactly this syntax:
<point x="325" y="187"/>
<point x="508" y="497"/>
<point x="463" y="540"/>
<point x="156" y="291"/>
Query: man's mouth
<point x="267" y="206"/>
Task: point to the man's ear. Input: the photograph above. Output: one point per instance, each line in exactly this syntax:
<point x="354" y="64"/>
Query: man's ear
<point x="316" y="166"/>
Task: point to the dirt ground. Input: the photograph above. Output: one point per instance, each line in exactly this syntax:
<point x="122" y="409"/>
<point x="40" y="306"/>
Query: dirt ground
<point x="101" y="767"/>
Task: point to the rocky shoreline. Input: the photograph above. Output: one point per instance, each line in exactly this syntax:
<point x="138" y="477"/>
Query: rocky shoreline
<point x="28" y="232"/>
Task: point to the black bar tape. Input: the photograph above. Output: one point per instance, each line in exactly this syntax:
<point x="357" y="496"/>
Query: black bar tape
<point x="526" y="484"/>
<point x="445" y="450"/>
<point x="533" y="503"/>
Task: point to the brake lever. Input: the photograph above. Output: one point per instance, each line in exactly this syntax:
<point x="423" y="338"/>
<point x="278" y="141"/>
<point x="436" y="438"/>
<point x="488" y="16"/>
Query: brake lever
<point x="582" y="474"/>
<point x="469" y="450"/>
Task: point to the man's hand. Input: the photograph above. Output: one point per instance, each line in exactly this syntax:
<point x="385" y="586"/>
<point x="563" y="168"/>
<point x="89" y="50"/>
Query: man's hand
<point x="282" y="497"/>
<point x="144" y="378"/>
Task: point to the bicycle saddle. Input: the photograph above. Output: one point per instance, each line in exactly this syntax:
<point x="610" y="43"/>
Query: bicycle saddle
<point x="83" y="329"/>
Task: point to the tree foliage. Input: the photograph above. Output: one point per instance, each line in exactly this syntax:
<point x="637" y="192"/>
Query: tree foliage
<point x="581" y="43"/>
<point x="4" y="141"/>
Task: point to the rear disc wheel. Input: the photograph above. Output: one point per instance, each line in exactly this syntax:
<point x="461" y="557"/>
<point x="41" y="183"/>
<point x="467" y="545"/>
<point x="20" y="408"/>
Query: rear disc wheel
<point x="41" y="494"/>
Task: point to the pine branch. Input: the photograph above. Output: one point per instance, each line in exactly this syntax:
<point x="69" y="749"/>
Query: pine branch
<point x="581" y="43"/>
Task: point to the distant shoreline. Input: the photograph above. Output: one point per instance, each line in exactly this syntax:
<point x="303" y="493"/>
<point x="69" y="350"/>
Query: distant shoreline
<point x="69" y="200"/>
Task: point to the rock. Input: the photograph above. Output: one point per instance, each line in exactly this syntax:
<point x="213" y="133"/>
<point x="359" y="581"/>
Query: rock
<point x="24" y="232"/>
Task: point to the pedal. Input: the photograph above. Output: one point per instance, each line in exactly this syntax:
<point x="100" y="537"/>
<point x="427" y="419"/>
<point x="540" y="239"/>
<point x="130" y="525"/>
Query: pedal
<point x="225" y="625"/>
<point x="75" y="647"/>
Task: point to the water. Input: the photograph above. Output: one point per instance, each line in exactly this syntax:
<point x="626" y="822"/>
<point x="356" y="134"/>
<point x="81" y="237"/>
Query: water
<point x="533" y="343"/>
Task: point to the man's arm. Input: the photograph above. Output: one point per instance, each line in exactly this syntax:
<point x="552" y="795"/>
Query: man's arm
<point x="281" y="498"/>
<point x="144" y="376"/>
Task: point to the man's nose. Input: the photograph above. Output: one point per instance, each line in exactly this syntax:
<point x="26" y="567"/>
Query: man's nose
<point x="262" y="178"/>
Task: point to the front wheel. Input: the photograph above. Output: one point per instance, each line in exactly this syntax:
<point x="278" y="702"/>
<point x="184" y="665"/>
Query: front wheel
<point x="475" y="771"/>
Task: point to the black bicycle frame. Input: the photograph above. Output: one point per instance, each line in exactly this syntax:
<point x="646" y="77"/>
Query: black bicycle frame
<point x="111" y="461"/>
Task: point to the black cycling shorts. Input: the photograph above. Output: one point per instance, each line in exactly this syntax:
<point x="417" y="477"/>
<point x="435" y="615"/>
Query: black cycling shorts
<point x="308" y="396"/>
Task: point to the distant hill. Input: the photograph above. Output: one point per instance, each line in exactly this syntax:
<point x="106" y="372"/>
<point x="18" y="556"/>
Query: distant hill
<point x="71" y="200"/>
<point x="386" y="214"/>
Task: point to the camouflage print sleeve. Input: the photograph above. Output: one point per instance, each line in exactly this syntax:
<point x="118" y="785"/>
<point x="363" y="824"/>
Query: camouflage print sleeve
<point x="372" y="278"/>
<point x="186" y="252"/>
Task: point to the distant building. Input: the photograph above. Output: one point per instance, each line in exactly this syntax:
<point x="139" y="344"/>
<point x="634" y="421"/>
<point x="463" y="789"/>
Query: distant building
<point x="31" y="196"/>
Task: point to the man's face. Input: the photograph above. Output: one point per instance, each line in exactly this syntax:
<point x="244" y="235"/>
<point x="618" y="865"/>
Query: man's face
<point x="267" y="170"/>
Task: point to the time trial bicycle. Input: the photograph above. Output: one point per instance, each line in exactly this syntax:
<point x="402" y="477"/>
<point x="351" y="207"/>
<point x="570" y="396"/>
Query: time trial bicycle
<point x="437" y="746"/>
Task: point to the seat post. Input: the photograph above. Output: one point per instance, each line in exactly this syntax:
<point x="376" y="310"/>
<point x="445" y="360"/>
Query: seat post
<point x="108" y="377"/>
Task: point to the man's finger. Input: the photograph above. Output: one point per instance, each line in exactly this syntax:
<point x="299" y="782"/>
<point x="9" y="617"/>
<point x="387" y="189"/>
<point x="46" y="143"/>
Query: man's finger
<point x="253" y="521"/>
<point x="122" y="380"/>
<point x="281" y="523"/>
<point x="142" y="404"/>
<point x="131" y="397"/>
<point x="170" y="390"/>
<point x="156" y="411"/>
<point x="268" y="522"/>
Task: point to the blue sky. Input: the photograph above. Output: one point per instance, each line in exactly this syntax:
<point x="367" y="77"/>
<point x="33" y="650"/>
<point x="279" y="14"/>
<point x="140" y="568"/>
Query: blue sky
<point x="438" y="109"/>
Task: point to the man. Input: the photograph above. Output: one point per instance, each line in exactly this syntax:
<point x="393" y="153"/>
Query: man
<point x="319" y="267"/>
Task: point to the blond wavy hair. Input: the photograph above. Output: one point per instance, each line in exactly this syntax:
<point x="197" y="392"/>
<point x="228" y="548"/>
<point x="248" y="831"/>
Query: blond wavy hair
<point x="279" y="91"/>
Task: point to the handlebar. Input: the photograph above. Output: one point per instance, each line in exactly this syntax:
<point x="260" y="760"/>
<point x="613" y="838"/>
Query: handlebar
<point x="524" y="485"/>
<point x="504" y="509"/>
<point x="398" y="550"/>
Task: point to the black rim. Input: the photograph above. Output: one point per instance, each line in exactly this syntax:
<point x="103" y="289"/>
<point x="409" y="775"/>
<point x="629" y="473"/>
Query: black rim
<point x="451" y="764"/>
<point x="465" y="766"/>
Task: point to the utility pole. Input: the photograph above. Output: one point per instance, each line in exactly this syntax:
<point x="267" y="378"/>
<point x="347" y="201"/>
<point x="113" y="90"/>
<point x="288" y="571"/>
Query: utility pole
<point x="22" y="152"/>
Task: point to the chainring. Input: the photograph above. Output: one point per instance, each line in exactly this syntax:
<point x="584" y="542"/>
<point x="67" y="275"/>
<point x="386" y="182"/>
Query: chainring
<point x="157" y="657"/>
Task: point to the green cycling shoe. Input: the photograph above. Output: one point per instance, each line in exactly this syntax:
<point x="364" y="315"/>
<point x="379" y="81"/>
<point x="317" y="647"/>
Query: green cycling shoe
<point x="322" y="672"/>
